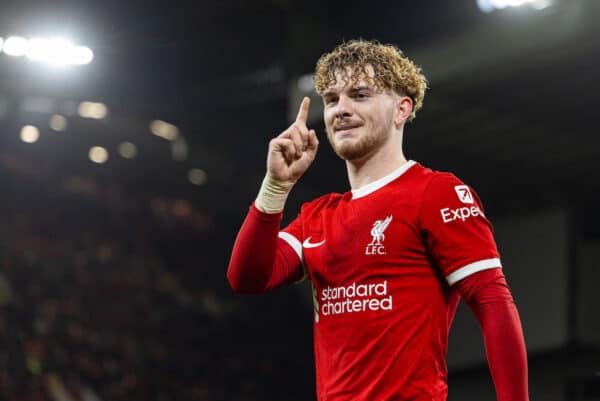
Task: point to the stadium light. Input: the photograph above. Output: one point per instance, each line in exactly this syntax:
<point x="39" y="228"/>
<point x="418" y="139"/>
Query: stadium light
<point x="197" y="176"/>
<point x="487" y="6"/>
<point x="15" y="46"/>
<point x="127" y="150"/>
<point x="52" y="51"/>
<point x="93" y="110"/>
<point x="58" y="52"/>
<point x="58" y="122"/>
<point x="30" y="134"/>
<point x="98" y="154"/>
<point x="164" y="130"/>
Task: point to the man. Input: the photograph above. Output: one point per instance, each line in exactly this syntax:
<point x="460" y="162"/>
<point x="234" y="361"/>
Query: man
<point x="389" y="259"/>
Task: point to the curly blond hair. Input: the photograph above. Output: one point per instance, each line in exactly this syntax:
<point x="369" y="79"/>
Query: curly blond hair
<point x="393" y="70"/>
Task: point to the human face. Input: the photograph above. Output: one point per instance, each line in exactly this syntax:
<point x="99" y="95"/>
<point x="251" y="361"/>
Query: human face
<point x="359" y="117"/>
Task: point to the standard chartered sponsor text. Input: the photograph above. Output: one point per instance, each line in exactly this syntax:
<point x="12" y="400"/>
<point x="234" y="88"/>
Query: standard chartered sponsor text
<point x="355" y="298"/>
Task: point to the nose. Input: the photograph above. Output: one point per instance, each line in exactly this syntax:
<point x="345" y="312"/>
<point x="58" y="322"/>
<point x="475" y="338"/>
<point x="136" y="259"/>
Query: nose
<point x="343" y="107"/>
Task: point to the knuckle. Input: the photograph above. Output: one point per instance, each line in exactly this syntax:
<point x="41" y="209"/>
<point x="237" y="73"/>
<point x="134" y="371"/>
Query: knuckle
<point x="299" y="127"/>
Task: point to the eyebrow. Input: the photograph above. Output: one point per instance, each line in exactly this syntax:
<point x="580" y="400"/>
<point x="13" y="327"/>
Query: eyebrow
<point x="360" y="87"/>
<point x="356" y="88"/>
<point x="329" y="93"/>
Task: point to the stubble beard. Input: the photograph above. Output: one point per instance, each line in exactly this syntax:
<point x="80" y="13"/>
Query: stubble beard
<point x="365" y="145"/>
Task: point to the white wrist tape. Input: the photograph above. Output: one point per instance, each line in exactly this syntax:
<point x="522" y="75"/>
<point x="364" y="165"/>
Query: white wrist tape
<point x="272" y="195"/>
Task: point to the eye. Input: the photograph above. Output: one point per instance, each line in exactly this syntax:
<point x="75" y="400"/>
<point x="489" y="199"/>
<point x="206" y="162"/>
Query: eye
<point x="329" y="101"/>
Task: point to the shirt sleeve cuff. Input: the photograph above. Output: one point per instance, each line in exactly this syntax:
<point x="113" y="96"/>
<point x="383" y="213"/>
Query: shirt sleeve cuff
<point x="471" y="268"/>
<point x="293" y="242"/>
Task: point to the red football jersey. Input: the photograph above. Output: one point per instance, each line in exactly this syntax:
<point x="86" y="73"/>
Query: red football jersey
<point x="382" y="260"/>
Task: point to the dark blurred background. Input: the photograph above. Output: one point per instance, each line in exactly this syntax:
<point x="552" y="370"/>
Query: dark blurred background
<point x="124" y="181"/>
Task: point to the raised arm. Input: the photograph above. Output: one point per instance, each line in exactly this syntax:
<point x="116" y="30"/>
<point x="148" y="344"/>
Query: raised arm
<point x="260" y="260"/>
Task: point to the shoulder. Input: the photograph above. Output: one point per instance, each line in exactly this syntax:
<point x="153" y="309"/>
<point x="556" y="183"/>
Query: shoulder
<point x="323" y="202"/>
<point x="422" y="180"/>
<point x="444" y="183"/>
<point x="446" y="189"/>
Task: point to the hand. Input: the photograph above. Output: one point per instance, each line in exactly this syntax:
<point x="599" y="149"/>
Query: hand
<point x="292" y="151"/>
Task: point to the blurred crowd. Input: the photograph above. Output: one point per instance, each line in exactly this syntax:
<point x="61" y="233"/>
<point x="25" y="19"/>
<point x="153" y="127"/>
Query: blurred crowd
<point x="101" y="301"/>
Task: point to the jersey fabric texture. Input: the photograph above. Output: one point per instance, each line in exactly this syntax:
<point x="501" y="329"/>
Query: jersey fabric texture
<point x="382" y="261"/>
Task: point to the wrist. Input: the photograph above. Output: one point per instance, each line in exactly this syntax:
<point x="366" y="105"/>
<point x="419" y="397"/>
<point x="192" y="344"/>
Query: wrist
<point x="272" y="195"/>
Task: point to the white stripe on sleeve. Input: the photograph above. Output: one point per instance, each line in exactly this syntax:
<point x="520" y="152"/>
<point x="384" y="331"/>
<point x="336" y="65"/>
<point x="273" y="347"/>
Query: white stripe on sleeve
<point x="293" y="242"/>
<point x="471" y="268"/>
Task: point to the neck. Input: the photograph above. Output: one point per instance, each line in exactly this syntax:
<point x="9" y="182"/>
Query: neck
<point x="374" y="166"/>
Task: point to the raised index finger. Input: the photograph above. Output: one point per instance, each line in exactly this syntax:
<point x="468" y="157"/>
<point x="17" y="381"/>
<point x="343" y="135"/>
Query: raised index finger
<point x="303" y="112"/>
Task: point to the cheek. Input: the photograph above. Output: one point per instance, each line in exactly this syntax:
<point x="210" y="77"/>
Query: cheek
<point x="385" y="116"/>
<point x="328" y="118"/>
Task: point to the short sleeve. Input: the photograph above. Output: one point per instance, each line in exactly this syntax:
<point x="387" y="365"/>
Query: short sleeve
<point x="457" y="234"/>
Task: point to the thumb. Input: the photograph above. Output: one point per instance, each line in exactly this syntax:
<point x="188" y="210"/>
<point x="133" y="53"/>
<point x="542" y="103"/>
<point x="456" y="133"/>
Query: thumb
<point x="313" y="142"/>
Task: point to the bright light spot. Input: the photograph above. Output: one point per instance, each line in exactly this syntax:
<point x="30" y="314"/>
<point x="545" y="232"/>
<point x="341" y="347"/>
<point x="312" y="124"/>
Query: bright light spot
<point x="306" y="83"/>
<point x="92" y="110"/>
<point x="1" y="43"/>
<point x="485" y="6"/>
<point x="541" y="4"/>
<point x="81" y="55"/>
<point x="51" y="51"/>
<point x="491" y="5"/>
<point x="30" y="134"/>
<point x="58" y="122"/>
<point x="197" y="176"/>
<point x="127" y="150"/>
<point x="58" y="52"/>
<point x="164" y="130"/>
<point x="15" y="46"/>
<point x="98" y="154"/>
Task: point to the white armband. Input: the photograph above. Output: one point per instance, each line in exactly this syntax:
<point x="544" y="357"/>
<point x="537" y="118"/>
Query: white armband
<point x="272" y="195"/>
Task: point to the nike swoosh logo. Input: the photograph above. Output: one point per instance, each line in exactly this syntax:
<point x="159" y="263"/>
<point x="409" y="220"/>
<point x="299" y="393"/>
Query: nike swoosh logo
<point x="308" y="244"/>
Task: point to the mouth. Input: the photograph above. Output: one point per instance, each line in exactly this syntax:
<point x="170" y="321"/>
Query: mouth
<point x="345" y="129"/>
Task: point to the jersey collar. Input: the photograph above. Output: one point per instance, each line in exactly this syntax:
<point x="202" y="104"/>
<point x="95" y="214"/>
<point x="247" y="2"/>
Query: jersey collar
<point x="383" y="181"/>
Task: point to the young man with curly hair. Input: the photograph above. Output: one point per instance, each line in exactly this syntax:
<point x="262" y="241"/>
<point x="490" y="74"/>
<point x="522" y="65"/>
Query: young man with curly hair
<point x="389" y="259"/>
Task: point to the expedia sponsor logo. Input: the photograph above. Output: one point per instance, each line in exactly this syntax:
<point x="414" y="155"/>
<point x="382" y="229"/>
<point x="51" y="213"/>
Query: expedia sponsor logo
<point x="461" y="213"/>
<point x="464" y="193"/>
<point x="355" y="298"/>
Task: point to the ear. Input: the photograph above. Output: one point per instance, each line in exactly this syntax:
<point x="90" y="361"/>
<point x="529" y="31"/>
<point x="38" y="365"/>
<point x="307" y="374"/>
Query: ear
<point x="404" y="108"/>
